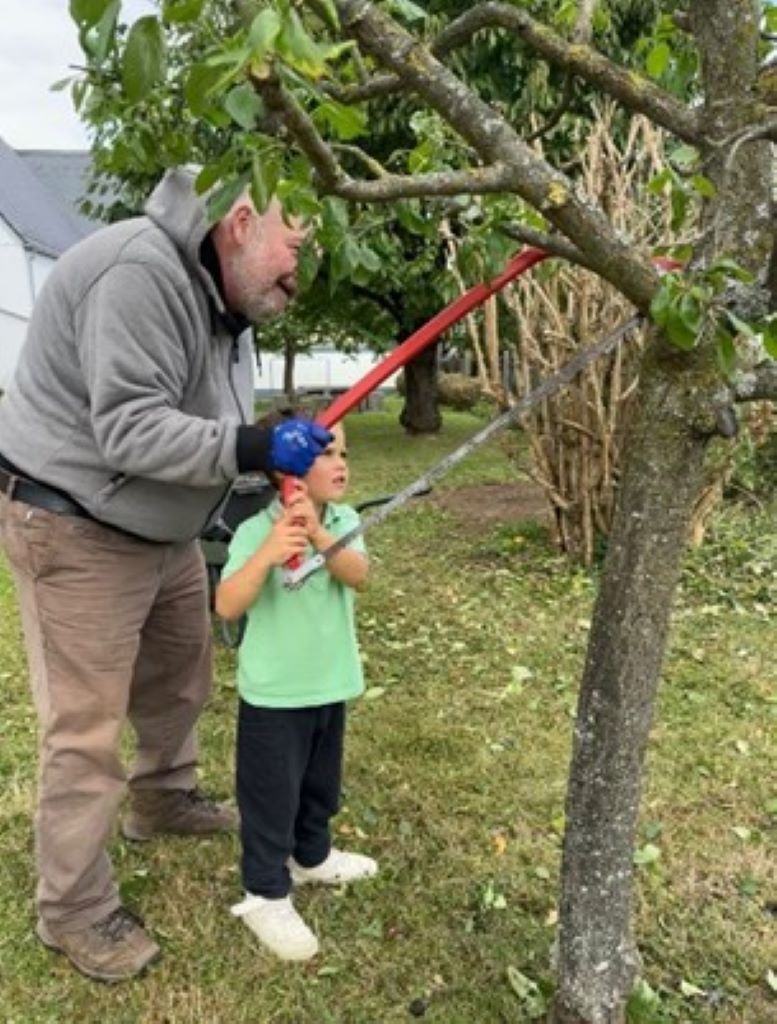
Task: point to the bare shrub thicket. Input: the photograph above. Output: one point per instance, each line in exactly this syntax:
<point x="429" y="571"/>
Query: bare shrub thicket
<point x="576" y="437"/>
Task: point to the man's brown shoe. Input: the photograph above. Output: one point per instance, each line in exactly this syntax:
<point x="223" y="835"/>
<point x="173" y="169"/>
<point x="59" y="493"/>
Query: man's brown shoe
<point x="114" y="949"/>
<point x="180" y="812"/>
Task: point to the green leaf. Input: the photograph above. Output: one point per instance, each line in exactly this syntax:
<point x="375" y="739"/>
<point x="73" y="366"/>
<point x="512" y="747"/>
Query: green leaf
<point x="703" y="186"/>
<point x="244" y="105"/>
<point x="730" y="268"/>
<point x="643" y="1004"/>
<point x="105" y="31"/>
<point x="407" y="10"/>
<point x="144" y="58"/>
<point x="199" y="83"/>
<point x="726" y="353"/>
<point x="770" y="344"/>
<point x="307" y="266"/>
<point x="409" y="216"/>
<point x="647" y="854"/>
<point x="346" y="122"/>
<point x="336" y="213"/>
<point x="658" y="60"/>
<point x="88" y="12"/>
<point x="532" y="998"/>
<point x="369" y="259"/>
<point x="661" y="301"/>
<point x="265" y="172"/>
<point x="679" y="201"/>
<point x="220" y="203"/>
<point x="684" y="156"/>
<point x="658" y="183"/>
<point x="740" y="326"/>
<point x="298" y="49"/>
<point x="330" y="14"/>
<point x="177" y="12"/>
<point x="679" y="333"/>
<point x="265" y="29"/>
<point x="690" y="991"/>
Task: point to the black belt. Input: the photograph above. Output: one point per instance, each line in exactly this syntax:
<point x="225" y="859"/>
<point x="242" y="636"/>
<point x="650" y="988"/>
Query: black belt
<point x="16" y="488"/>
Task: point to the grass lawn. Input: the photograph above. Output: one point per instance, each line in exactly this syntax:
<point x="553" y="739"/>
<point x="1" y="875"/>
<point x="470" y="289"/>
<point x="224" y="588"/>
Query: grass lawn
<point x="473" y="632"/>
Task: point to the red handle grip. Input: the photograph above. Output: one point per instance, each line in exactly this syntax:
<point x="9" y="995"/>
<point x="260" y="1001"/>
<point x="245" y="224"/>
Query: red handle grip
<point x="288" y="487"/>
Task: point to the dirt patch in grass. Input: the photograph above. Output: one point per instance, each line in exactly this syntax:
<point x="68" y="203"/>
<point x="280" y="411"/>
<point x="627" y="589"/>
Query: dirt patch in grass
<point x="495" y="503"/>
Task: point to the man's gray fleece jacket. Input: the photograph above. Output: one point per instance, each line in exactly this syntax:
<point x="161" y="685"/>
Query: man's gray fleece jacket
<point x="130" y="386"/>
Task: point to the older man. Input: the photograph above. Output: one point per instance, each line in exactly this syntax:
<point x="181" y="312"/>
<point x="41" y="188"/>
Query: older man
<point x="129" y="416"/>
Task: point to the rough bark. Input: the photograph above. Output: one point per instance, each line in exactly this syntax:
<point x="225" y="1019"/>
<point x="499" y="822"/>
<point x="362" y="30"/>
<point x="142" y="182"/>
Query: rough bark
<point x="421" y="413"/>
<point x="598" y="959"/>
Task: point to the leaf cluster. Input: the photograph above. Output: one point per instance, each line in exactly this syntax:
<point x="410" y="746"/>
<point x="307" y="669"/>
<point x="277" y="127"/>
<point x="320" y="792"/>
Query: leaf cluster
<point x="697" y="305"/>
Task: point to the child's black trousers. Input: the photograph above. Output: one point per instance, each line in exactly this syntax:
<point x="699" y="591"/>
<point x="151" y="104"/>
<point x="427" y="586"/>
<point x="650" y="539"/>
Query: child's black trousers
<point x="289" y="768"/>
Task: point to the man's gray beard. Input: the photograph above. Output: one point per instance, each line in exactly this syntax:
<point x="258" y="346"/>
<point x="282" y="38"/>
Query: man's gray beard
<point x="254" y="308"/>
<point x="258" y="313"/>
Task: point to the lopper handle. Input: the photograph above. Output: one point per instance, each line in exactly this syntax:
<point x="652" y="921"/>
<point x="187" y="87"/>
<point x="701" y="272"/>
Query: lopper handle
<point x="289" y="483"/>
<point x="288" y="487"/>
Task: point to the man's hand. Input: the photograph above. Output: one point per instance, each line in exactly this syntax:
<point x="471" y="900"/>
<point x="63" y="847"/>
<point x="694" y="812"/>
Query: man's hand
<point x="296" y="444"/>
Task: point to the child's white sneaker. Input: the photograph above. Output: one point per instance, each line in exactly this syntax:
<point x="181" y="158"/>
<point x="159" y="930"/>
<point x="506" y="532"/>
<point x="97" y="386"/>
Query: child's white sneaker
<point x="338" y="867"/>
<point x="278" y="926"/>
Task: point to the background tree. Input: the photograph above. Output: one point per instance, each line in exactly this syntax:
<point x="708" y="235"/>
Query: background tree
<point x="391" y="276"/>
<point x="308" y="70"/>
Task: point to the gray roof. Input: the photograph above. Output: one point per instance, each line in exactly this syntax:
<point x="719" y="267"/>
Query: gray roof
<point x="43" y="213"/>
<point x="64" y="172"/>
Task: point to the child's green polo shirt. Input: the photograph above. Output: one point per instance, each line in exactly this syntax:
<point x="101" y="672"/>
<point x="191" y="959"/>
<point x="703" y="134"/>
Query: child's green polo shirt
<point x="299" y="648"/>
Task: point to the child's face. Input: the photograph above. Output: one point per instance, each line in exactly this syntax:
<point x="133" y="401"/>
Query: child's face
<point x="327" y="478"/>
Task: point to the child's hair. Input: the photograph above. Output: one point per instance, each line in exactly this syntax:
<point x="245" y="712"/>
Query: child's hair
<point x="283" y="412"/>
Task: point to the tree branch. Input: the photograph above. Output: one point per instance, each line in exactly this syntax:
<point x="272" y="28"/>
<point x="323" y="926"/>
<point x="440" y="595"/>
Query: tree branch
<point x="474" y="181"/>
<point x="509" y="164"/>
<point x="630" y="89"/>
<point x="387" y="187"/>
<point x="550" y="243"/>
<point x="373" y="165"/>
<point x="281" y="103"/>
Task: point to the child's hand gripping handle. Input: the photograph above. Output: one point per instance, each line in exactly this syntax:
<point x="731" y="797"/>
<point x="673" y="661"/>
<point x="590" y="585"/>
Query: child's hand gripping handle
<point x="296" y="444"/>
<point x="288" y="489"/>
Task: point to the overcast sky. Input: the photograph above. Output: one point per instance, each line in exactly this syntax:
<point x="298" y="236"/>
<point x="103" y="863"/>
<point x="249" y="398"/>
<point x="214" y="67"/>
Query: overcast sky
<point x="37" y="43"/>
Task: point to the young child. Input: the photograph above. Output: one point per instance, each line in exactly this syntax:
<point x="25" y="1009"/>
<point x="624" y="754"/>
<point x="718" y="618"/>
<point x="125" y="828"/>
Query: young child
<point x="298" y="663"/>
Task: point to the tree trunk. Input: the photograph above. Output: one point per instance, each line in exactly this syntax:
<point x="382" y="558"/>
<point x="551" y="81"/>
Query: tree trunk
<point x="598" y="959"/>
<point x="663" y="465"/>
<point x="421" y="413"/>
<point x="289" y="355"/>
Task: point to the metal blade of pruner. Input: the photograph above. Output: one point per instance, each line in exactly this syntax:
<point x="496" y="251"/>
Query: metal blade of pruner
<point x="547" y="389"/>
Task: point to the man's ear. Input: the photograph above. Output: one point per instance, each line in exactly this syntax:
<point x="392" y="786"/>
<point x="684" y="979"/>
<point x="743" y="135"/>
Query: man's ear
<point x="240" y="219"/>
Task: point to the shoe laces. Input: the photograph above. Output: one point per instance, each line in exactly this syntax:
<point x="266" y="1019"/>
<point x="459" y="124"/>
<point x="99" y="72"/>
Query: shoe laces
<point x="117" y="924"/>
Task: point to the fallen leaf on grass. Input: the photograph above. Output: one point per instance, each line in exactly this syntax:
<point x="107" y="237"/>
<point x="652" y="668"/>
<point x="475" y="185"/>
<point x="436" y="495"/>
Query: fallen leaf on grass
<point x="500" y="844"/>
<point x="689" y="990"/>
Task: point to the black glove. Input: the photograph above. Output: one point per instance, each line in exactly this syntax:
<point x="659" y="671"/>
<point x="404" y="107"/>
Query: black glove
<point x="289" y="447"/>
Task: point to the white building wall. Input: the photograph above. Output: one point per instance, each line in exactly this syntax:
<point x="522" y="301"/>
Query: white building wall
<point x="22" y="274"/>
<point x="15" y="278"/>
<point x="323" y="369"/>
